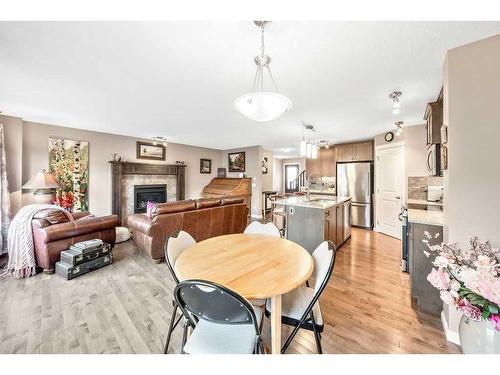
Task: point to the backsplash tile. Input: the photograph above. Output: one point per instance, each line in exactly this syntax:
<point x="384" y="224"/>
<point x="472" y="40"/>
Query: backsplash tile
<point x="417" y="186"/>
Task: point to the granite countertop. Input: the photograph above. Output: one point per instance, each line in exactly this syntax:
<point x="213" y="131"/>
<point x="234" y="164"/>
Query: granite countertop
<point x="423" y="201"/>
<point x="426" y="217"/>
<point x="322" y="202"/>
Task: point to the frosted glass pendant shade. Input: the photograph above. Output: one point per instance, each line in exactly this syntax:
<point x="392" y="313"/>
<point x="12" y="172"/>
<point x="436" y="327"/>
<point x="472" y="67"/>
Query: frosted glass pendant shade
<point x="262" y="106"/>
<point x="314" y="152"/>
<point x="303" y="147"/>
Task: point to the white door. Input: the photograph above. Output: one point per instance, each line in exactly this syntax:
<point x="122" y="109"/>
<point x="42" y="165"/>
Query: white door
<point x="389" y="171"/>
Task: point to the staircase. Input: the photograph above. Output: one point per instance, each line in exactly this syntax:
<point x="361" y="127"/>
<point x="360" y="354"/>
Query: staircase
<point x="297" y="183"/>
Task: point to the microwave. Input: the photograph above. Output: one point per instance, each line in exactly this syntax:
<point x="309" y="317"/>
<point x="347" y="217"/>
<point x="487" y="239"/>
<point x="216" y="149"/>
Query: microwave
<point x="434" y="160"/>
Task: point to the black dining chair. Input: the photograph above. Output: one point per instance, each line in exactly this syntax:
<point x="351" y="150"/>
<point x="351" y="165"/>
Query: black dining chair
<point x="300" y="308"/>
<point x="225" y="323"/>
<point x="175" y="244"/>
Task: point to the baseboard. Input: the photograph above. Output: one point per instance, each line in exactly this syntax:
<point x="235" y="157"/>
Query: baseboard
<point x="450" y="335"/>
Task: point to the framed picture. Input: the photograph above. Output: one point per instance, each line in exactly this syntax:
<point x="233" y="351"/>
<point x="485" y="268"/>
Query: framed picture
<point x="69" y="163"/>
<point x="206" y="166"/>
<point x="265" y="166"/>
<point x="236" y="162"/>
<point x="150" y="151"/>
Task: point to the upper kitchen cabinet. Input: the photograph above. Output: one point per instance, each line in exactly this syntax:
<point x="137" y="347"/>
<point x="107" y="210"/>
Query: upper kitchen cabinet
<point x="313" y="167"/>
<point x="328" y="161"/>
<point x="434" y="120"/>
<point x="361" y="151"/>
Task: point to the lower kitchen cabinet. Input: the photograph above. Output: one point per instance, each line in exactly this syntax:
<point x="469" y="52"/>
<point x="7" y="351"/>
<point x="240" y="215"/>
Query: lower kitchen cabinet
<point x="420" y="265"/>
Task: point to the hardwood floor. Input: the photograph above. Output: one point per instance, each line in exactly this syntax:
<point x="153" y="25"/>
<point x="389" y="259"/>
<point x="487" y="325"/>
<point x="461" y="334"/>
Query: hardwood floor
<point x="125" y="308"/>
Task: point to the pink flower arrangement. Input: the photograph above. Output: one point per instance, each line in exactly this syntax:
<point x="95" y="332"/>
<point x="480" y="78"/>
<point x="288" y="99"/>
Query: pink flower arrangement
<point x="468" y="279"/>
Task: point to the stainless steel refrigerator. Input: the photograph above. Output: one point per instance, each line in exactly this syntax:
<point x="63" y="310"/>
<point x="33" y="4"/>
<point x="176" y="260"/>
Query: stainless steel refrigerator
<point x="355" y="180"/>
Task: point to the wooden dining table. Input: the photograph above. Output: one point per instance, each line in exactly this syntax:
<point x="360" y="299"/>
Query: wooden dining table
<point x="254" y="265"/>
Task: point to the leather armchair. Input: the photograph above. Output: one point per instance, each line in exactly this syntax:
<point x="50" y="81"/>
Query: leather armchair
<point x="54" y="232"/>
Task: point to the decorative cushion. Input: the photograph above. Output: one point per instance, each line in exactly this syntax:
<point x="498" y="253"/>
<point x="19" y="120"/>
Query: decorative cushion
<point x="149" y="208"/>
<point x="122" y="234"/>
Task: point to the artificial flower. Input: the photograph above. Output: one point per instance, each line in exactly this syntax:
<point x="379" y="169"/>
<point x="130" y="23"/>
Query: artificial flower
<point x="439" y="279"/>
<point x="446" y="297"/>
<point x="495" y="320"/>
<point x="469" y="310"/>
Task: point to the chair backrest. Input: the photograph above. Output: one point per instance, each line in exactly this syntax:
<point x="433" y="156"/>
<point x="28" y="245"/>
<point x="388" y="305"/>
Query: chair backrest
<point x="213" y="302"/>
<point x="324" y="260"/>
<point x="175" y="244"/>
<point x="258" y="228"/>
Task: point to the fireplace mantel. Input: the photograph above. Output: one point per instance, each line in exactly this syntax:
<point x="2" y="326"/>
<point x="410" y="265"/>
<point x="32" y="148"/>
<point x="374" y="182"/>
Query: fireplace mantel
<point x="120" y="168"/>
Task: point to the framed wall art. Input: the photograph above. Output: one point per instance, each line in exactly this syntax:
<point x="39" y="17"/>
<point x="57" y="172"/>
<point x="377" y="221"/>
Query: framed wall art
<point x="150" y="151"/>
<point x="206" y="166"/>
<point x="236" y="161"/>
<point x="69" y="163"/>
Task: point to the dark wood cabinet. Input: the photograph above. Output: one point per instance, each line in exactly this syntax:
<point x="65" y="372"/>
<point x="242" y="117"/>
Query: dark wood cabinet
<point x="434" y="120"/>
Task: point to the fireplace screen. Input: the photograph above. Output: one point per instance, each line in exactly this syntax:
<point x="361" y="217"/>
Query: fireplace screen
<point x="148" y="193"/>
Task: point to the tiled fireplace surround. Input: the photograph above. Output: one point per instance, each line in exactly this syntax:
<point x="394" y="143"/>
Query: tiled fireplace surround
<point x="129" y="181"/>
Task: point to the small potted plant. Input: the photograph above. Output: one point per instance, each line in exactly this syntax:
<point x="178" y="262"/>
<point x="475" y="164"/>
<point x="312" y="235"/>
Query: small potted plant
<point x="470" y="280"/>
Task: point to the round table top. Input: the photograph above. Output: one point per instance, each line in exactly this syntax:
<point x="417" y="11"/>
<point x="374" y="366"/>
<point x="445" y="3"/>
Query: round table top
<point x="254" y="265"/>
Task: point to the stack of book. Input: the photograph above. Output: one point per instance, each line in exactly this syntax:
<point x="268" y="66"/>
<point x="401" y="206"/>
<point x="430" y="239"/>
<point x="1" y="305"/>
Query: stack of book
<point x="83" y="257"/>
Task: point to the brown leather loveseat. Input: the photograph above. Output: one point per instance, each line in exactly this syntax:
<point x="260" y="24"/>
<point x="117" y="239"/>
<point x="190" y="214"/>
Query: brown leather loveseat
<point x="202" y="219"/>
<point x="55" y="231"/>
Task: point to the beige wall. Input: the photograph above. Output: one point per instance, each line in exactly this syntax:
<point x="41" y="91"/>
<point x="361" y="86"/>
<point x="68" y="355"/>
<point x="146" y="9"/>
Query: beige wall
<point x="34" y="148"/>
<point x="414" y="138"/>
<point x="13" y="137"/>
<point x="278" y="175"/>
<point x="472" y="113"/>
<point x="267" y="179"/>
<point x="253" y="159"/>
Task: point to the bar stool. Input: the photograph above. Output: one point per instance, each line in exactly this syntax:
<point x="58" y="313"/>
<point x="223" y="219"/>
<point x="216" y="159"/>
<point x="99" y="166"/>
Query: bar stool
<point x="278" y="215"/>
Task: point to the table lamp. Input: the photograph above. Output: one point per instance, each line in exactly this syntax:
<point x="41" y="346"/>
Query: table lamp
<point x="44" y="184"/>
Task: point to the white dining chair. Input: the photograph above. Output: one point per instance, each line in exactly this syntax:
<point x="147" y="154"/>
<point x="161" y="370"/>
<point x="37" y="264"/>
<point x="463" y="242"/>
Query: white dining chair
<point x="175" y="244"/>
<point x="256" y="227"/>
<point x="300" y="308"/>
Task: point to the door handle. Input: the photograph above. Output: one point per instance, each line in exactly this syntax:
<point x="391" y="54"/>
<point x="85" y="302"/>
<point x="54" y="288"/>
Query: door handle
<point x="398" y="197"/>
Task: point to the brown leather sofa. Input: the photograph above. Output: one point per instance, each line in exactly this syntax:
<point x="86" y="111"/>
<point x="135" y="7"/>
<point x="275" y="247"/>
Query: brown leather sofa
<point x="202" y="219"/>
<point x="55" y="231"/>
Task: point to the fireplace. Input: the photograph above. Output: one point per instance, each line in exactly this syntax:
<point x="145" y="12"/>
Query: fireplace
<point x="148" y="193"/>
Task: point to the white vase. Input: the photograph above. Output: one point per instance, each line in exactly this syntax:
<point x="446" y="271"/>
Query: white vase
<point x="478" y="337"/>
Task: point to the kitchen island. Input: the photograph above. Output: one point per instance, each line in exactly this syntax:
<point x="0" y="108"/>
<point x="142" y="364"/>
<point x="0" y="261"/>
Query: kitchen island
<point x="310" y="221"/>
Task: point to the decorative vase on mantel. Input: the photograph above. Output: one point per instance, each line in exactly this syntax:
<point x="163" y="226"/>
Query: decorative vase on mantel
<point x="478" y="337"/>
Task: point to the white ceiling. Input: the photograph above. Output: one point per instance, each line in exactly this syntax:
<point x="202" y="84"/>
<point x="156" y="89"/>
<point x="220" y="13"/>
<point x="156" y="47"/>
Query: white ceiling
<point x="179" y="79"/>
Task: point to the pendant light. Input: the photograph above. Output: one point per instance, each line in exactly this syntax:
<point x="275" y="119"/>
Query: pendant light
<point x="261" y="105"/>
<point x="308" y="147"/>
<point x="396" y="104"/>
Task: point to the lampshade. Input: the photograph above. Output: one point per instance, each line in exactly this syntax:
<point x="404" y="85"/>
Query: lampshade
<point x="42" y="180"/>
<point x="262" y="106"/>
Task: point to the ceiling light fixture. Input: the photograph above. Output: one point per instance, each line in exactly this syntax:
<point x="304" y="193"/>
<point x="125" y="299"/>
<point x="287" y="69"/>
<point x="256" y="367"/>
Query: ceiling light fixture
<point x="261" y="105"/>
<point x="396" y="104"/>
<point x="308" y="146"/>
<point x="160" y="139"/>
<point x="399" y="128"/>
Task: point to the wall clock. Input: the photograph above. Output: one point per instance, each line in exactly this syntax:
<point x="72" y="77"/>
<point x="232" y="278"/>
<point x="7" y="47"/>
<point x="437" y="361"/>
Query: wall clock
<point x="389" y="136"/>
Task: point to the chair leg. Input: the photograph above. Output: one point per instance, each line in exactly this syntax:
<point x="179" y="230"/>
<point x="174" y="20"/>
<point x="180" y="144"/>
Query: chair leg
<point x="184" y="335"/>
<point x="170" y="329"/>
<point x="317" y="337"/>
<point x="290" y="338"/>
